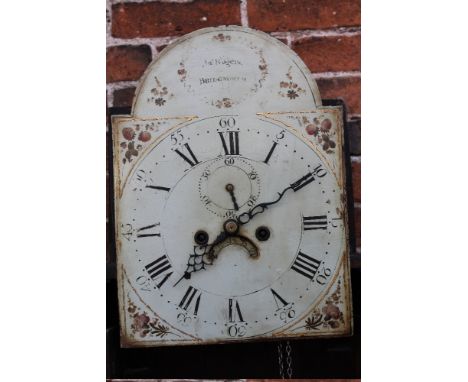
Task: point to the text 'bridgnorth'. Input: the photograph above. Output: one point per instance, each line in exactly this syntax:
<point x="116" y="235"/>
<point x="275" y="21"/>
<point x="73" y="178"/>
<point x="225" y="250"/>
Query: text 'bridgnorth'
<point x="221" y="79"/>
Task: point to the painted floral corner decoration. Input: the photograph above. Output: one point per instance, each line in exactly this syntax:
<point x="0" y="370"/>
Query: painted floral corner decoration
<point x="289" y="88"/>
<point x="159" y="94"/>
<point x="142" y="325"/>
<point x="329" y="316"/>
<point x="320" y="128"/>
<point x="135" y="138"/>
<point x="222" y="37"/>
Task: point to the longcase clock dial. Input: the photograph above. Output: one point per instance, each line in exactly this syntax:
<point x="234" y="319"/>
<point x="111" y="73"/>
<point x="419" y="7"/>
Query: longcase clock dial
<point x="231" y="224"/>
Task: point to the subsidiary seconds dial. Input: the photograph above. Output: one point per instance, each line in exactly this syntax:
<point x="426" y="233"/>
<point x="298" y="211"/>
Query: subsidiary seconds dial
<point x="241" y="182"/>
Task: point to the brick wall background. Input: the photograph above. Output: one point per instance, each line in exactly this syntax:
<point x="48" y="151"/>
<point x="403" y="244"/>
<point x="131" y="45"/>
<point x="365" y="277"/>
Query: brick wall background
<point x="324" y="33"/>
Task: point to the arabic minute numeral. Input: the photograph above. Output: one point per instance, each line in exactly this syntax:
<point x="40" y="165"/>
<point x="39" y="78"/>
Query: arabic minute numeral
<point x="143" y="283"/>
<point x="319" y="171"/>
<point x="314" y="222"/>
<point x="251" y="200"/>
<point x="206" y="200"/>
<point x="177" y="137"/>
<point x="206" y="174"/>
<point x="227" y="122"/>
<point x="127" y="231"/>
<point x="280" y="135"/>
<point x="237" y="330"/>
<point x="306" y="265"/>
<point x="323" y="277"/>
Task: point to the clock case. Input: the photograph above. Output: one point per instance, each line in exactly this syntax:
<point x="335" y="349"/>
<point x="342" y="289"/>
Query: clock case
<point x="280" y="88"/>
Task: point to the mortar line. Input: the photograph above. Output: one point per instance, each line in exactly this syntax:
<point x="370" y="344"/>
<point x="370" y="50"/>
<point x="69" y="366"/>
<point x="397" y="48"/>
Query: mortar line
<point x="338" y="74"/>
<point x="243" y="13"/>
<point x="290" y="36"/>
<point x="121" y="85"/>
<point x="109" y="97"/>
<point x="150" y="1"/>
<point x="332" y="32"/>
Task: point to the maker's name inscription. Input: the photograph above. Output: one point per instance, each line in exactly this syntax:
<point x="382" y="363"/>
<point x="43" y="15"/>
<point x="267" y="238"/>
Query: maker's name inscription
<point x="226" y="62"/>
<point x="211" y="80"/>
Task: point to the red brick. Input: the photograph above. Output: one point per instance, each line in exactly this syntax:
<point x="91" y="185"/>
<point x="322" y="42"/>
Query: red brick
<point x="124" y="97"/>
<point x="346" y="88"/>
<point x="285" y="15"/>
<point x="357" y="225"/>
<point x="356" y="174"/>
<point x="329" y="54"/>
<point x="126" y="62"/>
<point x="156" y="19"/>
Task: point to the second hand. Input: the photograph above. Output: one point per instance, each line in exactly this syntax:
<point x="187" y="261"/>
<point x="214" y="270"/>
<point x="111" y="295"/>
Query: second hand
<point x="230" y="189"/>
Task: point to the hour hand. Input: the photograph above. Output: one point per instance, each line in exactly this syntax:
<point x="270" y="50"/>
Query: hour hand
<point x="202" y="255"/>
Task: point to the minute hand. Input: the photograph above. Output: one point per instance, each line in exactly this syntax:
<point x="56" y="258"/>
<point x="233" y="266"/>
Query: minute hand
<point x="259" y="208"/>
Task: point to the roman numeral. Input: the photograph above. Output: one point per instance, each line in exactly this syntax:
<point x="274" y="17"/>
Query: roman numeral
<point x="278" y="299"/>
<point x="159" y="188"/>
<point x="306" y="265"/>
<point x="157" y="269"/>
<point x="233" y="142"/>
<point x="235" y="313"/>
<point x="193" y="161"/>
<point x="148" y="231"/>
<point x="304" y="181"/>
<point x="270" y="152"/>
<point x="189" y="299"/>
<point x="314" y="222"/>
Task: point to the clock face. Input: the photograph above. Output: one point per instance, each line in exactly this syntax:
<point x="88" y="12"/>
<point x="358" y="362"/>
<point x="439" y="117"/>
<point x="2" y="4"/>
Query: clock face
<point x="230" y="228"/>
<point x="230" y="205"/>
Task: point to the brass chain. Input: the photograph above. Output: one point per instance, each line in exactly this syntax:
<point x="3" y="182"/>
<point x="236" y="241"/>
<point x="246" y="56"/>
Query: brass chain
<point x="288" y="360"/>
<point x="280" y="359"/>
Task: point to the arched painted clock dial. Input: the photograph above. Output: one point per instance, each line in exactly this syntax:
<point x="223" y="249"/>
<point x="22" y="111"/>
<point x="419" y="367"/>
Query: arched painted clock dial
<point x="230" y="205"/>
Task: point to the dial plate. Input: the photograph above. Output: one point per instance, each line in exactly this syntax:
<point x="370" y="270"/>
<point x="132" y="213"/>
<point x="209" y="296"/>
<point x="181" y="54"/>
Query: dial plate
<point x="179" y="188"/>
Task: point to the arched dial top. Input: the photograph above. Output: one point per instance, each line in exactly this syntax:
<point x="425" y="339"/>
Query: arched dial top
<point x="229" y="69"/>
